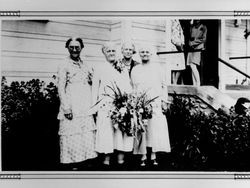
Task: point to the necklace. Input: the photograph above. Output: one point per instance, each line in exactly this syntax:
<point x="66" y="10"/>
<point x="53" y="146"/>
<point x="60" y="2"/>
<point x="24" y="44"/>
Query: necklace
<point x="127" y="63"/>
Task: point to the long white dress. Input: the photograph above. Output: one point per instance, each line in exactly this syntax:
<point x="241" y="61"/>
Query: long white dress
<point x="150" y="78"/>
<point x="122" y="141"/>
<point x="77" y="136"/>
<point x="107" y="138"/>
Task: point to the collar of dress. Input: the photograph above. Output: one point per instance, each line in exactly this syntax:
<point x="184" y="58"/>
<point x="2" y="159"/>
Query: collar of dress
<point x="76" y="62"/>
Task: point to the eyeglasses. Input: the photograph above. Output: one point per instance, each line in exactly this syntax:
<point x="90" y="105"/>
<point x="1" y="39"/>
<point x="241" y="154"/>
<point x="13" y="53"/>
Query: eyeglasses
<point x="110" y="51"/>
<point x="75" y="47"/>
<point x="144" y="52"/>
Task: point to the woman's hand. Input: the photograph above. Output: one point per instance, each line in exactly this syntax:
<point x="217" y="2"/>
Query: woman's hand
<point x="164" y="105"/>
<point x="68" y="114"/>
<point x="179" y="47"/>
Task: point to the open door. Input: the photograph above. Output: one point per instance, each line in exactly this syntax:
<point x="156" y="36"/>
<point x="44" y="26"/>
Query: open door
<point x="209" y="67"/>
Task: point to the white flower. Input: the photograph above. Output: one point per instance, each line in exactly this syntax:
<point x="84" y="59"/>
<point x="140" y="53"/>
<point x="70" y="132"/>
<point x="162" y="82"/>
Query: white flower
<point x="141" y="110"/>
<point x="115" y="126"/>
<point x="123" y="110"/>
<point x="145" y="121"/>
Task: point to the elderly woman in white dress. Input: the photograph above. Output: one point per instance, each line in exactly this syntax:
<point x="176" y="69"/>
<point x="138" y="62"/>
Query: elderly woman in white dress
<point x="77" y="128"/>
<point x="107" y="74"/>
<point x="149" y="77"/>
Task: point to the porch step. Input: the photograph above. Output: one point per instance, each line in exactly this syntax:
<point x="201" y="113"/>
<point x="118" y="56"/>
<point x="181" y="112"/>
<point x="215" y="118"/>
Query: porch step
<point x="237" y="94"/>
<point x="237" y="91"/>
<point x="209" y="94"/>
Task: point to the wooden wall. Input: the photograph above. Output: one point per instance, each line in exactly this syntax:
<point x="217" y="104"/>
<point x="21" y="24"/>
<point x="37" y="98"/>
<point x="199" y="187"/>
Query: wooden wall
<point x="236" y="45"/>
<point x="33" y="49"/>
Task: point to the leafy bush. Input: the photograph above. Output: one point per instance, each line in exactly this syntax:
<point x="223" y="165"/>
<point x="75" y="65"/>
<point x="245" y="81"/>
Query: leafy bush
<point x="199" y="141"/>
<point x="229" y="136"/>
<point x="186" y="124"/>
<point x="203" y="141"/>
<point x="29" y="124"/>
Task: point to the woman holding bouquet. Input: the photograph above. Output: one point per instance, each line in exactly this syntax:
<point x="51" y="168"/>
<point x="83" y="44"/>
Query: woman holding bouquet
<point x="106" y="76"/>
<point x="124" y="141"/>
<point x="77" y="128"/>
<point x="148" y="77"/>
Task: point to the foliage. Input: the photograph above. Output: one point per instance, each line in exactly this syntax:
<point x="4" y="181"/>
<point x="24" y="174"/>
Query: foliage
<point x="119" y="65"/>
<point x="131" y="111"/>
<point x="229" y="133"/>
<point x="21" y="98"/>
<point x="200" y="139"/>
<point x="29" y="122"/>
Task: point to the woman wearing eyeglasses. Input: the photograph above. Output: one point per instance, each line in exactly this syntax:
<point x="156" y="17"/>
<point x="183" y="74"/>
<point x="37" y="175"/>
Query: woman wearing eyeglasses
<point x="77" y="128"/>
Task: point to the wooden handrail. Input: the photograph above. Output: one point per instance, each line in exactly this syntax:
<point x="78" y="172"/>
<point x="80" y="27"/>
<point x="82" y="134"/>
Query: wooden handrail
<point x="233" y="67"/>
<point x="243" y="57"/>
<point x="175" y="52"/>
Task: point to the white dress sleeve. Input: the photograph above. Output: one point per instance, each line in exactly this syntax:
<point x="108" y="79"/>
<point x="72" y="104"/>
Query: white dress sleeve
<point x="95" y="90"/>
<point x="134" y="74"/>
<point x="62" y="84"/>
<point x="163" y="85"/>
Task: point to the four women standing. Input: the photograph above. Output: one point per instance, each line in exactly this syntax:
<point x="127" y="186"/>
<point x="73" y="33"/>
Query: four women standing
<point x="83" y="97"/>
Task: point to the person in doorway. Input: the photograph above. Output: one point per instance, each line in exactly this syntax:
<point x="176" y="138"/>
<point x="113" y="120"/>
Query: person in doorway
<point x="198" y="37"/>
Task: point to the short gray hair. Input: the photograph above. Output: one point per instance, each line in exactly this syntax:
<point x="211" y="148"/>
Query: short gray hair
<point x="107" y="45"/>
<point x="129" y="44"/>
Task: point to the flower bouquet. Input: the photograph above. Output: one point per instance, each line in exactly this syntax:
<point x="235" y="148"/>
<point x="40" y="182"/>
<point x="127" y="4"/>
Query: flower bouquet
<point x="130" y="112"/>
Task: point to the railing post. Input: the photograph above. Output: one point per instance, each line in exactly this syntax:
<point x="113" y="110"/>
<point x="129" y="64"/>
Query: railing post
<point x="168" y="48"/>
<point x="222" y="54"/>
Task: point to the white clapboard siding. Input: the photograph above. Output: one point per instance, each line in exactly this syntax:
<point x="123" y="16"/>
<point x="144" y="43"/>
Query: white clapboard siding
<point x="58" y="28"/>
<point x="235" y="40"/>
<point x="144" y="32"/>
<point x="38" y="45"/>
<point x="236" y="45"/>
<point x="18" y="63"/>
<point x="150" y="32"/>
<point x="148" y="35"/>
<point x="33" y="49"/>
<point x="155" y="24"/>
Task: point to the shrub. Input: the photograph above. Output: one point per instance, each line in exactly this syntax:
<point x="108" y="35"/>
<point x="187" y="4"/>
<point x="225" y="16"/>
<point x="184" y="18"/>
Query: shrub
<point x="229" y="135"/>
<point x="186" y="126"/>
<point x="206" y="140"/>
<point x="29" y="124"/>
<point x="199" y="141"/>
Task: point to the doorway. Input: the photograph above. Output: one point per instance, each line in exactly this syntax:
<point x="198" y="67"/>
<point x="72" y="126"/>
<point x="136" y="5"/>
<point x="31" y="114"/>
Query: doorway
<point x="209" y="67"/>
